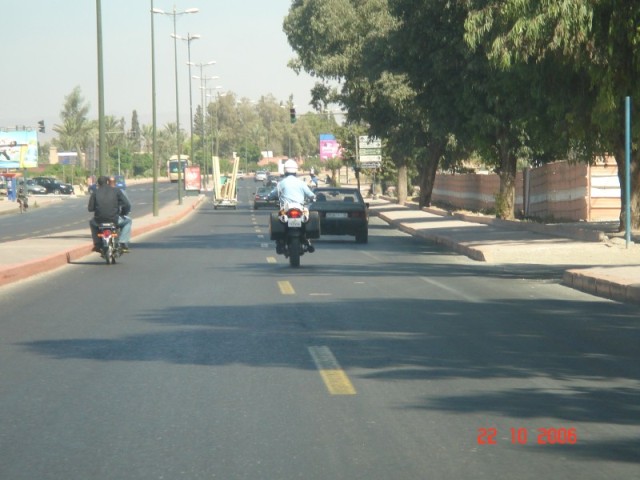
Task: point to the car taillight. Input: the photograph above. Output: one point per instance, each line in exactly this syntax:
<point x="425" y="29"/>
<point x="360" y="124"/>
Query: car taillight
<point x="294" y="213"/>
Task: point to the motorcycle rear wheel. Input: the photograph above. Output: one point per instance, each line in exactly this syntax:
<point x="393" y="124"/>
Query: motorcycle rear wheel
<point x="108" y="255"/>
<point x="294" y="252"/>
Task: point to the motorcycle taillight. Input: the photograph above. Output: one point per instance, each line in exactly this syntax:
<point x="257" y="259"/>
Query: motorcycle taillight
<point x="294" y="213"/>
<point x="106" y="233"/>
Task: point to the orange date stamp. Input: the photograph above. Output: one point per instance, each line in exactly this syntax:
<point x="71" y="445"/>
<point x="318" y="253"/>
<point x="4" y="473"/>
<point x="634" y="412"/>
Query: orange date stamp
<point x="521" y="436"/>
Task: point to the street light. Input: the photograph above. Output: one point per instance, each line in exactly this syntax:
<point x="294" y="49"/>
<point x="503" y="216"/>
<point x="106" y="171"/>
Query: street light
<point x="101" y="122"/>
<point x="153" y="109"/>
<point x="174" y="14"/>
<point x="201" y="65"/>
<point x="189" y="38"/>
<point x="214" y="151"/>
<point x="203" y="89"/>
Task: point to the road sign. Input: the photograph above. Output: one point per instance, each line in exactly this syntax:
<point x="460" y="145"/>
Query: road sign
<point x="369" y="152"/>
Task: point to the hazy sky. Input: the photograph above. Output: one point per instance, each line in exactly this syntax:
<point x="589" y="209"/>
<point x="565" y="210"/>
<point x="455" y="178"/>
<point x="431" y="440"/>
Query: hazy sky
<point x="50" y="47"/>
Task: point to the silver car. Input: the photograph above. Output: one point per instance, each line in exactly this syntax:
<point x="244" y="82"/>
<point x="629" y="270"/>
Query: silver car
<point x="33" y="188"/>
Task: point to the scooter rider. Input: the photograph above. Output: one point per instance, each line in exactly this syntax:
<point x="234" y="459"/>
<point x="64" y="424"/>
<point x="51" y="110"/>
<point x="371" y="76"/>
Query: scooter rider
<point x="293" y="190"/>
<point x="109" y="205"/>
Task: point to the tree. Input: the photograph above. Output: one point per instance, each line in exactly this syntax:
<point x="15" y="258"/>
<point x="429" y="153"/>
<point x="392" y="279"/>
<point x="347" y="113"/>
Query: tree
<point x="465" y="102"/>
<point x="74" y="133"/>
<point x="597" y="38"/>
<point x="346" y="41"/>
<point x="135" y="133"/>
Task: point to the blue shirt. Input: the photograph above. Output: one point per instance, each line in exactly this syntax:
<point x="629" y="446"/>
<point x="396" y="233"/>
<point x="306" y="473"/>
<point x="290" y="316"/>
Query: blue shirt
<point x="293" y="190"/>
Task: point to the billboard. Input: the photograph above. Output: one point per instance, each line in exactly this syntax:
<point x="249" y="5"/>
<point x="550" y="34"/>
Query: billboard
<point x="192" y="178"/>
<point x="19" y="149"/>
<point x="329" y="147"/>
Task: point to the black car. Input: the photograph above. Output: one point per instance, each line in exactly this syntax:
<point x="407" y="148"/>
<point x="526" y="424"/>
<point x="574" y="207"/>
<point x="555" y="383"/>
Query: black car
<point x="54" y="186"/>
<point x="261" y="198"/>
<point x="272" y="180"/>
<point x="342" y="211"/>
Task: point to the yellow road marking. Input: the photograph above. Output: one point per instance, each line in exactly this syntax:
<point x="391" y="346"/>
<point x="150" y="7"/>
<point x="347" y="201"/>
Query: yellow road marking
<point x="271" y="260"/>
<point x="332" y="374"/>
<point x="286" y="288"/>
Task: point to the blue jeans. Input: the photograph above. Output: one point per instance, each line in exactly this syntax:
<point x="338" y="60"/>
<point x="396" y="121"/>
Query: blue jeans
<point x="125" y="229"/>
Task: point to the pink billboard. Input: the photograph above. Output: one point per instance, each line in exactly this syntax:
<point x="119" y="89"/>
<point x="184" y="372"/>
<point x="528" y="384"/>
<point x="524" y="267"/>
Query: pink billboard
<point x="192" y="178"/>
<point x="329" y="147"/>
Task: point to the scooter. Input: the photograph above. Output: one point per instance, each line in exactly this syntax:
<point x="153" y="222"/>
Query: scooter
<point x="292" y="228"/>
<point x="109" y="233"/>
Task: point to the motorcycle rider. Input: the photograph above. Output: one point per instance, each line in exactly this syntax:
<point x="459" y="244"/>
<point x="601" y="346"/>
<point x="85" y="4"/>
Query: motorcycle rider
<point x="22" y="197"/>
<point x="109" y="205"/>
<point x="293" y="190"/>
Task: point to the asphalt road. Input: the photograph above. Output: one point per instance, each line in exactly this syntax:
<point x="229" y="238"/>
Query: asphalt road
<point x="203" y="355"/>
<point x="70" y="212"/>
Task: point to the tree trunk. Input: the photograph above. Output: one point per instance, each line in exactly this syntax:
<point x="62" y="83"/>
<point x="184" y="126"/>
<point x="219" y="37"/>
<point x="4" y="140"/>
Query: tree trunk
<point x="402" y="183"/>
<point x="506" y="199"/>
<point x="428" y="172"/>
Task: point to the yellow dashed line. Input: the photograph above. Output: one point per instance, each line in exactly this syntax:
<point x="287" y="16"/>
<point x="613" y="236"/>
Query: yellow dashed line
<point x="335" y="379"/>
<point x="271" y="260"/>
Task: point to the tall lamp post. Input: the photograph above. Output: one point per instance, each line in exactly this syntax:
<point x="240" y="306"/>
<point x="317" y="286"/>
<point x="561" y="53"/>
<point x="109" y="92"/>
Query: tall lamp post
<point x="153" y="109"/>
<point x="101" y="123"/>
<point x="175" y="14"/>
<point x="189" y="38"/>
<point x="202" y="65"/>
<point x="214" y="151"/>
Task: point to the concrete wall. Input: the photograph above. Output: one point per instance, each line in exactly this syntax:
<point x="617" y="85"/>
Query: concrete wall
<point x="556" y="191"/>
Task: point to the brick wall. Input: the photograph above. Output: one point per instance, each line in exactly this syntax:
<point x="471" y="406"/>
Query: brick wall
<point x="556" y="191"/>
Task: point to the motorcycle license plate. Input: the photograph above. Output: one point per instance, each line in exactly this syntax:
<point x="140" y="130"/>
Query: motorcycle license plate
<point x="295" y="222"/>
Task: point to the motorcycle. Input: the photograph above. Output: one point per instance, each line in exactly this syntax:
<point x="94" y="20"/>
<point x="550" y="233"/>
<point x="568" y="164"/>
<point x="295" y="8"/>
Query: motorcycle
<point x="23" y="200"/>
<point x="292" y="228"/>
<point x="109" y="233"/>
<point x="23" y="204"/>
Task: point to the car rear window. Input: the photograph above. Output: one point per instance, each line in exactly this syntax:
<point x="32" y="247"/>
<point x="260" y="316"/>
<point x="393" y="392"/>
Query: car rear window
<point x="337" y="196"/>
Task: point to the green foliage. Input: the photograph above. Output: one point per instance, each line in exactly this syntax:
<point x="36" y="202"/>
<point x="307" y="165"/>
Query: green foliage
<point x="334" y="165"/>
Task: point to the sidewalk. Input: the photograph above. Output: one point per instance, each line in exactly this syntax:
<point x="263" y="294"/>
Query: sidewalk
<point x="591" y="261"/>
<point x="24" y="258"/>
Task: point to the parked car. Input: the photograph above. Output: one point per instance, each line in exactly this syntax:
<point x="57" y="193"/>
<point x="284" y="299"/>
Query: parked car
<point x="54" y="186"/>
<point x="261" y="176"/>
<point x="33" y="188"/>
<point x="261" y="198"/>
<point x="342" y="211"/>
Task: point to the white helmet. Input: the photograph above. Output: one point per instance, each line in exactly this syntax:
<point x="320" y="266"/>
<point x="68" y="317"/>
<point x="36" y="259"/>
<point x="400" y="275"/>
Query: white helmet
<point x="290" y="166"/>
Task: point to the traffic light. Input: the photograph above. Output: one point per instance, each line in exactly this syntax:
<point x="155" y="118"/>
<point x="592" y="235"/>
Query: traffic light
<point x="41" y="126"/>
<point x="292" y="115"/>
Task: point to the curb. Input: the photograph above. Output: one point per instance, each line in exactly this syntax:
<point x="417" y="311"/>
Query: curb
<point x="470" y="252"/>
<point x="617" y="290"/>
<point x="574" y="233"/>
